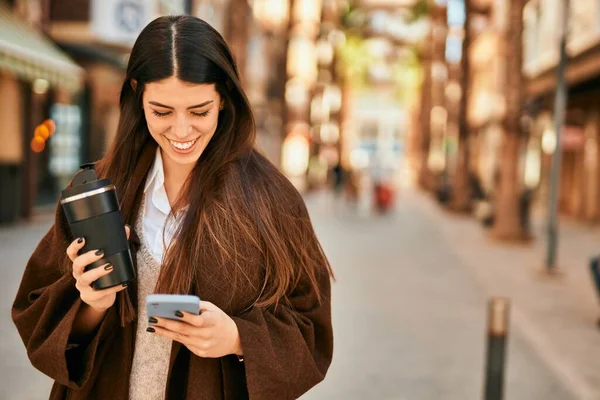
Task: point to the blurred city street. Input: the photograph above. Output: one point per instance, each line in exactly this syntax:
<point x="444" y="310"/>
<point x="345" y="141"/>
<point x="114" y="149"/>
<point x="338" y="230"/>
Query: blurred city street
<point x="448" y="152"/>
<point x="409" y="308"/>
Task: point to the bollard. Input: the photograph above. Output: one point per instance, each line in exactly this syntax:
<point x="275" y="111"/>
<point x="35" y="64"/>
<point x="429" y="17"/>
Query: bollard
<point x="496" y="348"/>
<point x="595" y="270"/>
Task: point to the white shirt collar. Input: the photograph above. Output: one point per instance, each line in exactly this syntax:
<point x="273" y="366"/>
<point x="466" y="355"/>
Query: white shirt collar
<point x="156" y="181"/>
<point x="157" y="172"/>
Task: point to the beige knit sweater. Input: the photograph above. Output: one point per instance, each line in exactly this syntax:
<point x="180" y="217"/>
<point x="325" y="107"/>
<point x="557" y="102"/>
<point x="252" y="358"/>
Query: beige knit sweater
<point x="151" y="354"/>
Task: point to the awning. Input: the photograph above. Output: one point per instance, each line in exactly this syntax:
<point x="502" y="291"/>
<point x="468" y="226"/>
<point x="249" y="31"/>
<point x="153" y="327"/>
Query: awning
<point x="31" y="55"/>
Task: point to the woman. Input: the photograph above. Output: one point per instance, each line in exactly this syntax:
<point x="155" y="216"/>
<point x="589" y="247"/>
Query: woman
<point x="210" y="216"/>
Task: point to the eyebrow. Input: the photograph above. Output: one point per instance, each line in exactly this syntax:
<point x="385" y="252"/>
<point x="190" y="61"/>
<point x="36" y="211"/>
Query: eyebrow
<point x="154" y="103"/>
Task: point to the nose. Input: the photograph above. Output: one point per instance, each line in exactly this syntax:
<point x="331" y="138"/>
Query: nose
<point x="182" y="129"/>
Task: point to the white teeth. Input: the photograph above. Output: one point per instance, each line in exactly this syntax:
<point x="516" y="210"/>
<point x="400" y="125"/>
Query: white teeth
<point x="182" y="146"/>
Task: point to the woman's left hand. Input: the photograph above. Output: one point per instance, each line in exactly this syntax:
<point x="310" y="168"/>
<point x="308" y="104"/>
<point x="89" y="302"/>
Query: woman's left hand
<point x="212" y="334"/>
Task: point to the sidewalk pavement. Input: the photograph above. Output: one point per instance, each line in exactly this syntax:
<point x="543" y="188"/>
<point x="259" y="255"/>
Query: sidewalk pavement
<point x="18" y="379"/>
<point x="557" y="314"/>
<point x="410" y="302"/>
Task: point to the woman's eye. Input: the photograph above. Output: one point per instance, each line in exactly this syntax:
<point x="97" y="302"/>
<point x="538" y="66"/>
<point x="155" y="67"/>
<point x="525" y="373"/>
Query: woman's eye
<point x="202" y="114"/>
<point x="160" y="114"/>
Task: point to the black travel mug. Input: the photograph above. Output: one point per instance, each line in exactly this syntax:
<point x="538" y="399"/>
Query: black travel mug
<point x="92" y="210"/>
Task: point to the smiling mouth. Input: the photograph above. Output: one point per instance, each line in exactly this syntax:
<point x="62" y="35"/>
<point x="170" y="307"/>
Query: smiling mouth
<point x="182" y="145"/>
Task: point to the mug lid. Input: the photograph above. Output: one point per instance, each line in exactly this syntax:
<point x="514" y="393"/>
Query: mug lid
<point x="86" y="187"/>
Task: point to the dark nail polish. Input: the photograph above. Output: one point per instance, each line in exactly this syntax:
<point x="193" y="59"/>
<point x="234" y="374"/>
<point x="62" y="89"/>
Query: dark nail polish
<point x="108" y="267"/>
<point x="99" y="252"/>
<point x="150" y="329"/>
<point x="125" y="284"/>
<point x="80" y="240"/>
<point x="179" y="314"/>
<point x="152" y="320"/>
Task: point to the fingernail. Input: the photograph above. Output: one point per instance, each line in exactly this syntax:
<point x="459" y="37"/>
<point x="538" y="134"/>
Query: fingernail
<point x="99" y="252"/>
<point x="129" y="226"/>
<point x="179" y="314"/>
<point x="108" y="267"/>
<point x="125" y="284"/>
<point x="152" y="320"/>
<point x="150" y="329"/>
<point x="80" y="240"/>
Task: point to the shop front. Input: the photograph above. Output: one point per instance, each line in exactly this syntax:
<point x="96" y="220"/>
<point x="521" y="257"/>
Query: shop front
<point x="34" y="76"/>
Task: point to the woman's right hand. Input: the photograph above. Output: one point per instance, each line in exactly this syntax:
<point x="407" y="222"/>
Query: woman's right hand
<point x="99" y="300"/>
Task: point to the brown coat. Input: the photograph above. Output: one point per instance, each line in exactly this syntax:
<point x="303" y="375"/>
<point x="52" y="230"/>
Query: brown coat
<point x="286" y="352"/>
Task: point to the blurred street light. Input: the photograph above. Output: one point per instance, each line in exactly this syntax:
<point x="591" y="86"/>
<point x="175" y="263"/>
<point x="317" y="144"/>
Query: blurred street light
<point x="379" y="47"/>
<point x="296" y="93"/>
<point x="296" y="151"/>
<point x="439" y="72"/>
<point x="533" y="165"/>
<point x="549" y="141"/>
<point x="38" y="144"/>
<point x="453" y="92"/>
<point x="396" y="27"/>
<point x="319" y="109"/>
<point x="324" y="52"/>
<point x="380" y="73"/>
<point x="330" y="132"/>
<point x="306" y="18"/>
<point x="337" y="38"/>
<point x="307" y="11"/>
<point x="42" y="131"/>
<point x="439" y="116"/>
<point x="40" y="86"/>
<point x="333" y="95"/>
<point x="302" y="60"/>
<point x="272" y="15"/>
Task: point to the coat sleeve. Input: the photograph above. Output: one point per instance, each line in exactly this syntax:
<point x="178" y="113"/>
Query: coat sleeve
<point x="45" y="308"/>
<point x="288" y="350"/>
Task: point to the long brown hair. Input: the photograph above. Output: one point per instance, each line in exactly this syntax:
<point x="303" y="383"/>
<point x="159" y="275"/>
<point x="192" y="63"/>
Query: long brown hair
<point x="240" y="205"/>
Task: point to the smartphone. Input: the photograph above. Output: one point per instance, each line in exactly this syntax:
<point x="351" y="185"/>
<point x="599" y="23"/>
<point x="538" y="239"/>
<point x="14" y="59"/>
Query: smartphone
<point x="165" y="305"/>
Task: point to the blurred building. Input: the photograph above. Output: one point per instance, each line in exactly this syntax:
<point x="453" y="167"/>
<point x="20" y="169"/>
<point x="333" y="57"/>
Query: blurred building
<point x="68" y="62"/>
<point x="99" y="34"/>
<point x="579" y="178"/>
<point x="486" y="109"/>
<point x="35" y="77"/>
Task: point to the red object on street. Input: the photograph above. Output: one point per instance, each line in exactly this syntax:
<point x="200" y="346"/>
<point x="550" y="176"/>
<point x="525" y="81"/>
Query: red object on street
<point x="384" y="196"/>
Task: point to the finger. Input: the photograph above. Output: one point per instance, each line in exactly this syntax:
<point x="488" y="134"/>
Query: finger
<point x="192" y="319"/>
<point x="175" y="326"/>
<point x="84" y="260"/>
<point x="96" y="295"/>
<point x="127" y="231"/>
<point x="90" y="276"/>
<point x="74" y="247"/>
<point x="176" y="336"/>
<point x="91" y="294"/>
<point x="208" y="306"/>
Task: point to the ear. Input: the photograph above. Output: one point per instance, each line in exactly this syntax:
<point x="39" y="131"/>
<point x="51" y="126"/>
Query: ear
<point x="133" y="84"/>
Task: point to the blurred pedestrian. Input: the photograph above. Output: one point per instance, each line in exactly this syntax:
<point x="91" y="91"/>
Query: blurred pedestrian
<point x="211" y="217"/>
<point x="338" y="178"/>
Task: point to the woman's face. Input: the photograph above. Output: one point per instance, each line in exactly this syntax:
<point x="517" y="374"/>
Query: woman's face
<point x="182" y="117"/>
